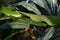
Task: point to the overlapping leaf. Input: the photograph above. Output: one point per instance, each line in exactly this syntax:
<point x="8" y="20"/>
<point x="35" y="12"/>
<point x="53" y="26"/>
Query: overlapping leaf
<point x="10" y="12"/>
<point x="52" y="1"/>
<point x="20" y="24"/>
<point x="48" y="34"/>
<point x="39" y="23"/>
<point x="41" y="3"/>
<point x="53" y="6"/>
<point x="6" y="17"/>
<point x="30" y="7"/>
<point x="50" y="20"/>
<point x="50" y="5"/>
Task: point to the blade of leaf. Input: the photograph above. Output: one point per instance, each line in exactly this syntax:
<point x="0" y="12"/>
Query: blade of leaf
<point x="52" y="1"/>
<point x="39" y="23"/>
<point x="50" y="20"/>
<point x="20" y="24"/>
<point x="49" y="33"/>
<point x="41" y="3"/>
<point x="30" y="7"/>
<point x="7" y="17"/>
<point x="10" y="12"/>
<point x="53" y="6"/>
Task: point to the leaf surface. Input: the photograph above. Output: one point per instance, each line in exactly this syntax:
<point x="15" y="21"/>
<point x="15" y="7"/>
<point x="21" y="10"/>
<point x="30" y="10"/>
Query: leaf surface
<point x="50" y="20"/>
<point x="30" y="7"/>
<point x="10" y="12"/>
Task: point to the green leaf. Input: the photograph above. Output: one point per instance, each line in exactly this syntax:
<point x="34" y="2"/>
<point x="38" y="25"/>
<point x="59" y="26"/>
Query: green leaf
<point x="41" y="3"/>
<point x="50" y="5"/>
<point x="10" y="12"/>
<point x="49" y="34"/>
<point x="21" y="23"/>
<point x="6" y="17"/>
<point x="53" y="5"/>
<point x="52" y="1"/>
<point x="39" y="23"/>
<point x="50" y="20"/>
<point x="30" y="7"/>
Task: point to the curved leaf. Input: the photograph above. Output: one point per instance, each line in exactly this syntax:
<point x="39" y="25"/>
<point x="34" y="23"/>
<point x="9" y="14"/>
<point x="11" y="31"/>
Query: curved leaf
<point x="49" y="34"/>
<point x="20" y="24"/>
<point x="30" y="7"/>
<point x="50" y="5"/>
<point x="7" y="17"/>
<point x="39" y="23"/>
<point x="10" y="12"/>
<point x="52" y="1"/>
<point x="50" y="20"/>
<point x="53" y="6"/>
<point x="41" y="3"/>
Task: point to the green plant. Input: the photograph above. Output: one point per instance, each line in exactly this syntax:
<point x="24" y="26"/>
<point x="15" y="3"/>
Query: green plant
<point x="39" y="20"/>
<point x="50" y="5"/>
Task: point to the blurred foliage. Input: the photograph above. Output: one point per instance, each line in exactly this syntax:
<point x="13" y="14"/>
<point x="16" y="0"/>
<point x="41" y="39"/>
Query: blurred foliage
<point x="27" y="25"/>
